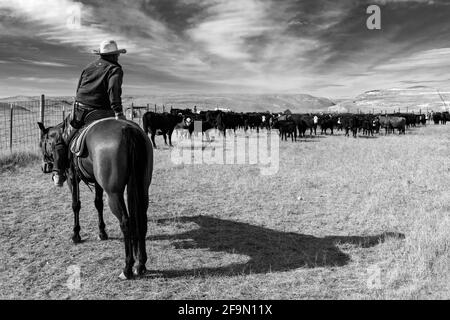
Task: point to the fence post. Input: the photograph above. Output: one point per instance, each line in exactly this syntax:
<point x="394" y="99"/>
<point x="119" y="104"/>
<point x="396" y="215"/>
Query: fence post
<point x="155" y="107"/>
<point x="148" y="107"/>
<point x="42" y="108"/>
<point x="64" y="113"/>
<point x="11" y="127"/>
<point x="132" y="111"/>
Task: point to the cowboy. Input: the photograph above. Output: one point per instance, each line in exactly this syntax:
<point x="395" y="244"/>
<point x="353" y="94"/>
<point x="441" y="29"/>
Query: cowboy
<point x="99" y="88"/>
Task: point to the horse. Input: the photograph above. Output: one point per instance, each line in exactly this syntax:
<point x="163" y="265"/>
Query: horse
<point x="119" y="155"/>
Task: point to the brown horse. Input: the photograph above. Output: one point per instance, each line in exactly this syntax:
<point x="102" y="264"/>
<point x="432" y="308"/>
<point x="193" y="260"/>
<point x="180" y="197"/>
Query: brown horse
<point x="119" y="155"/>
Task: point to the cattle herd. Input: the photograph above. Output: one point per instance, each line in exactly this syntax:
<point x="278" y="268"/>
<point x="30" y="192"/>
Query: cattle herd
<point x="289" y="125"/>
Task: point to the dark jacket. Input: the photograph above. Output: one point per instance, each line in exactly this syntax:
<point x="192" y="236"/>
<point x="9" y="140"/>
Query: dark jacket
<point x="100" y="85"/>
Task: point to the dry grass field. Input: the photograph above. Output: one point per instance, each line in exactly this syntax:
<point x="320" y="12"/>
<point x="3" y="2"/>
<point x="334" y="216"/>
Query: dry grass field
<point x="343" y="218"/>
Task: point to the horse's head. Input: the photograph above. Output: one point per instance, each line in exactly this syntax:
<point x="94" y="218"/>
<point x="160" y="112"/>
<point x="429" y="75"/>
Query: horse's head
<point x="47" y="143"/>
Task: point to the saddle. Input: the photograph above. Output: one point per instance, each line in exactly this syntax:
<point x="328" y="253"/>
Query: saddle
<point x="78" y="143"/>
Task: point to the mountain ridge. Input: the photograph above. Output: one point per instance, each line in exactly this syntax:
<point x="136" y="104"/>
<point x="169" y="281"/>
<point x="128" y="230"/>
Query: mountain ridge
<point x="234" y="102"/>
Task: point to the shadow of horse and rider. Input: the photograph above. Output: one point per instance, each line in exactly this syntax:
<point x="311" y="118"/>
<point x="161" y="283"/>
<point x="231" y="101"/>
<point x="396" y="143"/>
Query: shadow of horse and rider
<point x="267" y="250"/>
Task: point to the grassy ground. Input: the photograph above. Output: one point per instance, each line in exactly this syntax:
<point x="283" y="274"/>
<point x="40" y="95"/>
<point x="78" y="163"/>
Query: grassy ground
<point x="15" y="160"/>
<point x="343" y="218"/>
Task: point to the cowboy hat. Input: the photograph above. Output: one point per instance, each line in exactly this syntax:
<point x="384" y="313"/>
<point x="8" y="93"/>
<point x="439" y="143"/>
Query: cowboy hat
<point x="108" y="47"/>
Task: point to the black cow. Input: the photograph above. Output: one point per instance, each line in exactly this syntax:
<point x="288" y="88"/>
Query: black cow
<point x="327" y="122"/>
<point x="445" y="117"/>
<point x="390" y="123"/>
<point x="439" y="117"/>
<point x="286" y="128"/>
<point x="370" y="124"/>
<point x="305" y="122"/>
<point x="210" y="116"/>
<point x="422" y="119"/>
<point x="350" y="123"/>
<point x="161" y="124"/>
<point x="398" y="123"/>
<point x="204" y="125"/>
<point x="266" y="120"/>
<point x="227" y="120"/>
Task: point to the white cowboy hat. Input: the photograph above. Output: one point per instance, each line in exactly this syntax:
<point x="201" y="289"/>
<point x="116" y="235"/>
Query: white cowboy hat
<point x="109" y="47"/>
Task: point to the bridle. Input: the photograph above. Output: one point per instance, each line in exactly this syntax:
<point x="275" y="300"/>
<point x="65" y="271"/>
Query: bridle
<point x="47" y="165"/>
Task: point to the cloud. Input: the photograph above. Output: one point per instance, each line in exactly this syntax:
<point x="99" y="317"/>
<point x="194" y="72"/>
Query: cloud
<point x="41" y="79"/>
<point x="57" y="20"/>
<point x="434" y="58"/>
<point x="46" y="63"/>
<point x="317" y="46"/>
<point x="227" y="26"/>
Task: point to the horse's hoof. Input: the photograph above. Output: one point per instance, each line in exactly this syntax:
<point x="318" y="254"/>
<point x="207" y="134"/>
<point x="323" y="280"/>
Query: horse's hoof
<point x="103" y="236"/>
<point x="76" y="239"/>
<point x="140" y="270"/>
<point x="124" y="277"/>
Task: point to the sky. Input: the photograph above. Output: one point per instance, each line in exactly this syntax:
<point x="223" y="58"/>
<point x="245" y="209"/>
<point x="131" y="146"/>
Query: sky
<point x="318" y="47"/>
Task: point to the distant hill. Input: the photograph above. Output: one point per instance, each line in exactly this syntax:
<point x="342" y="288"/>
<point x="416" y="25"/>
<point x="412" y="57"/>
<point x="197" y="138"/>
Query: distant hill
<point x="5" y="107"/>
<point x="417" y="98"/>
<point x="18" y="98"/>
<point x="237" y="102"/>
<point x="386" y="100"/>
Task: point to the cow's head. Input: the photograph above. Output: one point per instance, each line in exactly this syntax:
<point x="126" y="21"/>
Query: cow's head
<point x="188" y="121"/>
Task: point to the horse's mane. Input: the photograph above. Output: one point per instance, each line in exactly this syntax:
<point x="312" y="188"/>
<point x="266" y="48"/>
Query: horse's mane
<point x="61" y="127"/>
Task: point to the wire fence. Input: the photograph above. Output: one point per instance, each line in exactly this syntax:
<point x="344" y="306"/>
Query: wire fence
<point x="18" y="122"/>
<point x="19" y="130"/>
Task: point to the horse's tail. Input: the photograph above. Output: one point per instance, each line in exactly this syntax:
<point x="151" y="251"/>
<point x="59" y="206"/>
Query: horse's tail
<point x="136" y="187"/>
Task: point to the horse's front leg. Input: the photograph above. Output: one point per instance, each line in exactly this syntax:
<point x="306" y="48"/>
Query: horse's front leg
<point x="99" y="206"/>
<point x="74" y="185"/>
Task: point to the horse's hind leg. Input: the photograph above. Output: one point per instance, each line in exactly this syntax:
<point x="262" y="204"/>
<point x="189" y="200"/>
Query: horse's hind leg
<point x="99" y="206"/>
<point x="141" y="251"/>
<point x="118" y="208"/>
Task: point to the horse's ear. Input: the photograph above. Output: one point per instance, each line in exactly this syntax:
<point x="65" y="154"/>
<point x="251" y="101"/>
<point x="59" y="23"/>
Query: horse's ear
<point x="41" y="126"/>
